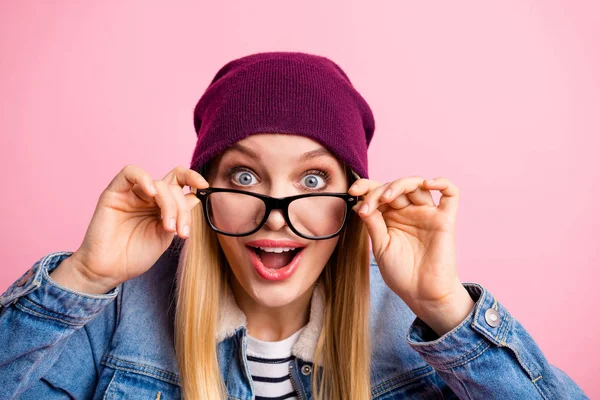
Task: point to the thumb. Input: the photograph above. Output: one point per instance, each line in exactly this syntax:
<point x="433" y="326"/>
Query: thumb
<point x="376" y="227"/>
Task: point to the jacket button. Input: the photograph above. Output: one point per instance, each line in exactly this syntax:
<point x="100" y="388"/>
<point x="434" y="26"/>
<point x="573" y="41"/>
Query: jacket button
<point x="306" y="369"/>
<point x="25" y="278"/>
<point x="492" y="317"/>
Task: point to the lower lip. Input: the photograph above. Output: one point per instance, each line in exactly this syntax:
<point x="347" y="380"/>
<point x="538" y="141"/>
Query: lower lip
<point x="275" y="274"/>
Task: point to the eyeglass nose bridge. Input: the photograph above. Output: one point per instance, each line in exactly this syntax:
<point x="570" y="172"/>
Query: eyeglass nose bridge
<point x="275" y="203"/>
<point x="280" y="203"/>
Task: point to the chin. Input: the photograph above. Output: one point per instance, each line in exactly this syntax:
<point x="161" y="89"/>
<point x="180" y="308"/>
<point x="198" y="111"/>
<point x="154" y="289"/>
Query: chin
<point x="271" y="296"/>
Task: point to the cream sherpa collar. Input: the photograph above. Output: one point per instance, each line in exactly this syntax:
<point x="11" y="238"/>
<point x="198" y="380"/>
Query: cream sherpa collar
<point x="231" y="318"/>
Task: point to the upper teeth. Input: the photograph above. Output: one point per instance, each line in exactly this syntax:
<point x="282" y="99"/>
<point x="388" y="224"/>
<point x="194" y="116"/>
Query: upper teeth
<point x="276" y="249"/>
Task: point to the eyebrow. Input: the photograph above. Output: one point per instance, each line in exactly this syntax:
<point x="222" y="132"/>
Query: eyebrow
<point x="314" y="154"/>
<point x="305" y="157"/>
<point x="245" y="150"/>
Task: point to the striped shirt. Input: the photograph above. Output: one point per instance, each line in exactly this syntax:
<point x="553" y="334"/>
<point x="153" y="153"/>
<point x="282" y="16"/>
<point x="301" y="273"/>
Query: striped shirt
<point x="269" y="366"/>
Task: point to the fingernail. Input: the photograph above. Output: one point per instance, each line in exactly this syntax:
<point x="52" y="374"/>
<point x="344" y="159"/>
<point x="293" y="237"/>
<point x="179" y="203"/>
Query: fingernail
<point x="364" y="209"/>
<point x="172" y="224"/>
<point x="152" y="189"/>
<point x="431" y="181"/>
<point x="186" y="230"/>
<point x="388" y="193"/>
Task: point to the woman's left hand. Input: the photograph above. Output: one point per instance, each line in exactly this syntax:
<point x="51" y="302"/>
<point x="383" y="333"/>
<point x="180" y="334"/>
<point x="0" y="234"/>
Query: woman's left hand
<point x="413" y="244"/>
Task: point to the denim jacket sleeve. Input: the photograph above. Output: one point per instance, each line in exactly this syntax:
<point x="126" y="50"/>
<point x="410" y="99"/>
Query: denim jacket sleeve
<point x="490" y="355"/>
<point x="38" y="317"/>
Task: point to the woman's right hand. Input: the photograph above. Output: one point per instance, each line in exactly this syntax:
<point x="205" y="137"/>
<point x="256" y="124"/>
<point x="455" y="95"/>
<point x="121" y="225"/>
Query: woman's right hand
<point x="131" y="228"/>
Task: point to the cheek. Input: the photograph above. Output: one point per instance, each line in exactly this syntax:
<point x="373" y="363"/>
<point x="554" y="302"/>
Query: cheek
<point x="322" y="250"/>
<point x="234" y="251"/>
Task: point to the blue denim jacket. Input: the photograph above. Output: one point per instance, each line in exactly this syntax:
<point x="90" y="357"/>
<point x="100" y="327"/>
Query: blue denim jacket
<point x="57" y="343"/>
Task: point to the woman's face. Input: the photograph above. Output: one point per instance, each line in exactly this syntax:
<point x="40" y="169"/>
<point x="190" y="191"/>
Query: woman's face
<point x="277" y="165"/>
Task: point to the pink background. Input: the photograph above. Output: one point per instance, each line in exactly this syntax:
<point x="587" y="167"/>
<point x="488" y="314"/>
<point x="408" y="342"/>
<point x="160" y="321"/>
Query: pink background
<point x="501" y="98"/>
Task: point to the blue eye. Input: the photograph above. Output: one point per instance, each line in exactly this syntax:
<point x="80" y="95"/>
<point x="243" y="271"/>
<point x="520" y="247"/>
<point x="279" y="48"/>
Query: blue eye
<point x="312" y="181"/>
<point x="244" y="178"/>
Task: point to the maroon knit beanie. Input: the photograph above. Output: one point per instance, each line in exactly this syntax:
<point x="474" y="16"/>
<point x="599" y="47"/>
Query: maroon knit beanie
<point x="284" y="92"/>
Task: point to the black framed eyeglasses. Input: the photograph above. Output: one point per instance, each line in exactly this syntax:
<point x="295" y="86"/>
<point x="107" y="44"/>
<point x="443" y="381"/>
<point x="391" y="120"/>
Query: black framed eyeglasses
<point x="314" y="216"/>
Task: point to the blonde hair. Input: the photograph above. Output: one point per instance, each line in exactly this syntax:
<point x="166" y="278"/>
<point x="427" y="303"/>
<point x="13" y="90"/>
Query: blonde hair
<point x="343" y="348"/>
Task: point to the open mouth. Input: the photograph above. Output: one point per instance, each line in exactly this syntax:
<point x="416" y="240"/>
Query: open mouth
<point x="276" y="258"/>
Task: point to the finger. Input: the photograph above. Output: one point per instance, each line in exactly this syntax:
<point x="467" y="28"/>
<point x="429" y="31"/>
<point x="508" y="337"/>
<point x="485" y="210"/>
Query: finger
<point x="377" y="229"/>
<point x="167" y="204"/>
<point x="450" y="194"/>
<point x="421" y="197"/>
<point x="371" y="200"/>
<point x="184" y="216"/>
<point x="362" y="186"/>
<point x="185" y="177"/>
<point x="128" y="177"/>
<point x="398" y="203"/>
<point x="381" y="195"/>
<point x="399" y="195"/>
<point x="191" y="200"/>
<point x="138" y="190"/>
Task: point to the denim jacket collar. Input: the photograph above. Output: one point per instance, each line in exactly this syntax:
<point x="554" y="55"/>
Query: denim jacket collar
<point x="232" y="318"/>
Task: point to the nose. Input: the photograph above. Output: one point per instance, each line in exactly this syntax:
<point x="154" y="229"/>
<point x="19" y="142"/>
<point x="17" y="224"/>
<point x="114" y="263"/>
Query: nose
<point x="275" y="221"/>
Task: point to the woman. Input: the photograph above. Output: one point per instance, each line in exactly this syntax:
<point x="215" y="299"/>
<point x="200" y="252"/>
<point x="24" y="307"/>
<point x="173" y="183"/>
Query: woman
<point x="275" y="293"/>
